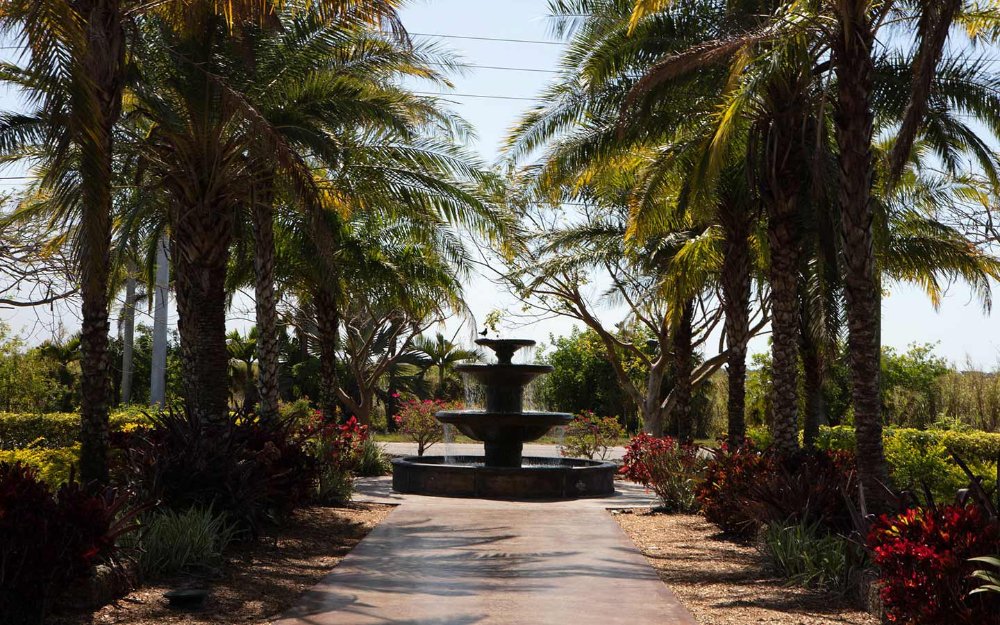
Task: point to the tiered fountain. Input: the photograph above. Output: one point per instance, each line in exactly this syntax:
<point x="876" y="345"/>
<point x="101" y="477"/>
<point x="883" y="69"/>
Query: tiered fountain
<point x="503" y="426"/>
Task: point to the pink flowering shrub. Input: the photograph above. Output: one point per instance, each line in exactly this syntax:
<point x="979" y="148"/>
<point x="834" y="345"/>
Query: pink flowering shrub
<point x="590" y="436"/>
<point x="416" y="420"/>
<point x="338" y="448"/>
<point x="670" y="469"/>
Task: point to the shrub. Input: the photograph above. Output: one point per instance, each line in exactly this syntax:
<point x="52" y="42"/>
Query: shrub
<point x="55" y="429"/>
<point x="250" y="471"/>
<point x="416" y="421"/>
<point x="729" y="476"/>
<point x="671" y="470"/>
<point x="923" y="557"/>
<point x="338" y="449"/>
<point x="172" y="542"/>
<point x="590" y="436"/>
<point x="808" y="556"/>
<point x="298" y="411"/>
<point x="806" y="488"/>
<point x="49" y="540"/>
<point x="53" y="466"/>
<point x="372" y="460"/>
<point x="919" y="459"/>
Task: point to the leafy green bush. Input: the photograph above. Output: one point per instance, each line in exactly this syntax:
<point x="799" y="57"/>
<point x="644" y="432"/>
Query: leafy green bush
<point x="56" y="429"/>
<point x="53" y="465"/>
<point x="590" y="436"/>
<point x="807" y="556"/>
<point x="918" y="457"/>
<point x="372" y="461"/>
<point x="172" y="542"/>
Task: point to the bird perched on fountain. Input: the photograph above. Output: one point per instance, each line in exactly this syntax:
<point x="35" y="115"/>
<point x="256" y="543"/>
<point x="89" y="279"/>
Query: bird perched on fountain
<point x="484" y="332"/>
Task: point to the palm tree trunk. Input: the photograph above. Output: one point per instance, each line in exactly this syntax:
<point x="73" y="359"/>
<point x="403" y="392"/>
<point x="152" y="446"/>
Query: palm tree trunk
<point x="812" y="365"/>
<point x="201" y="254"/>
<point x="736" y="263"/>
<point x="327" y="336"/>
<point x="784" y="326"/>
<point x="266" y="303"/>
<point x="103" y="63"/>
<point x="852" y="58"/>
<point x="683" y="363"/>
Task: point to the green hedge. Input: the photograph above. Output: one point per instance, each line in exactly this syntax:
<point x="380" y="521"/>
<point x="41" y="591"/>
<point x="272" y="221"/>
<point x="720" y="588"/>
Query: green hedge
<point x="53" y="430"/>
<point x="53" y="465"/>
<point x="921" y="457"/>
<point x="971" y="446"/>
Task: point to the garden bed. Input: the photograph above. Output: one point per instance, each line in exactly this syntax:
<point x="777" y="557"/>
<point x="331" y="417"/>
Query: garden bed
<point x="722" y="582"/>
<point x="260" y="580"/>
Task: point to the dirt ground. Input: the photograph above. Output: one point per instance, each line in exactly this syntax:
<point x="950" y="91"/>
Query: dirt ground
<point x="722" y="582"/>
<point x="260" y="580"/>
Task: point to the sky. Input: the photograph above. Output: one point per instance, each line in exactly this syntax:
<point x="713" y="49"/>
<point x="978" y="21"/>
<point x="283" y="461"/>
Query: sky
<point x="960" y="326"/>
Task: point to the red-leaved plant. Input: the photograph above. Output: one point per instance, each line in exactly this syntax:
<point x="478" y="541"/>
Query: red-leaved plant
<point x="670" y="469"/>
<point x="729" y="477"/>
<point x="48" y="540"/>
<point x="925" y="574"/>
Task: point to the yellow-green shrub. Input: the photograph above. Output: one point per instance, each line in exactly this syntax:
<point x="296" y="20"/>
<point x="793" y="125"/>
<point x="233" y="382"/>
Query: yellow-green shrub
<point x="55" y="429"/>
<point x="919" y="457"/>
<point x="53" y="465"/>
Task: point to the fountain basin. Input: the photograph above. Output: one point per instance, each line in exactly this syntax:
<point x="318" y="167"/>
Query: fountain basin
<point x="467" y="476"/>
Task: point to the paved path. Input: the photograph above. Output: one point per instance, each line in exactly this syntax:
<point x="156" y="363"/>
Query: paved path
<point x="476" y="449"/>
<point x="440" y="561"/>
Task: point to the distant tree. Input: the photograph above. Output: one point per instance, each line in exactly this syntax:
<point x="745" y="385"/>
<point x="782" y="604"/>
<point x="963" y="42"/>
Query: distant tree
<point x="441" y="355"/>
<point x="584" y="379"/>
<point x="910" y="393"/>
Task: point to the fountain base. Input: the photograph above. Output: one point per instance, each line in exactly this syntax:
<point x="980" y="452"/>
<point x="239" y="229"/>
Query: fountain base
<point x="468" y="476"/>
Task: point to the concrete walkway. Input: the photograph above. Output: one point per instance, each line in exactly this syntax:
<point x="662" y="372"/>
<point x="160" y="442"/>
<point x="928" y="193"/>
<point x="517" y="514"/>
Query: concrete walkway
<point x="476" y="449"/>
<point x="440" y="561"/>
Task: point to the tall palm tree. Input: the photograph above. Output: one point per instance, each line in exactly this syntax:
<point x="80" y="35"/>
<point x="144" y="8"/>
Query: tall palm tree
<point x="75" y="54"/>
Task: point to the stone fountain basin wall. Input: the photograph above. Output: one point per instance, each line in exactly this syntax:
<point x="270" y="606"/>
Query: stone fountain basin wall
<point x="464" y="476"/>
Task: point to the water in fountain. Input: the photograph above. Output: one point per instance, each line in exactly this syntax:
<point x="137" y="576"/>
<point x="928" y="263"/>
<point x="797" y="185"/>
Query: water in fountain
<point x="447" y="441"/>
<point x="475" y="393"/>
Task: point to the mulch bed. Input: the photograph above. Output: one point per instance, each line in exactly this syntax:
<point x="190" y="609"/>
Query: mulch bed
<point x="260" y="580"/>
<point x="723" y="582"/>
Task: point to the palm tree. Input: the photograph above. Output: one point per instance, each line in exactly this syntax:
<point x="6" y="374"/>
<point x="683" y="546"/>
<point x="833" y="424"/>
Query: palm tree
<point x="442" y="354"/>
<point x="76" y="63"/>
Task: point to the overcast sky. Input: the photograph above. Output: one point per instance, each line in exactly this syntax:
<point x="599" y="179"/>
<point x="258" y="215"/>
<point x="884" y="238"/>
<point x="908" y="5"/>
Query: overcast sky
<point x="960" y="325"/>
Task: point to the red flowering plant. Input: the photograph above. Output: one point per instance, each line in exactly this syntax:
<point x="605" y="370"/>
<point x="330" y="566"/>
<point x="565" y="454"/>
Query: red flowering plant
<point x="416" y="420"/>
<point x="337" y="447"/>
<point x="923" y="559"/>
<point x="670" y="469"/>
<point x="729" y="477"/>
<point x="590" y="436"/>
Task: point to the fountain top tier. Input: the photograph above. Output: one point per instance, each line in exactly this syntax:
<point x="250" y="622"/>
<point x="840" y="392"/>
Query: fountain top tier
<point x="505" y="348"/>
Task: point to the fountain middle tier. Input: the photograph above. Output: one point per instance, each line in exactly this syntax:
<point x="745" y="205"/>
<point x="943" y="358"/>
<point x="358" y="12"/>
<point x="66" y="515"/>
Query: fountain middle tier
<point x="503" y="384"/>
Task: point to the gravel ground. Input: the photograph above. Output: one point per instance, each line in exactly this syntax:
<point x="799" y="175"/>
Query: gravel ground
<point x="722" y="582"/>
<point x="260" y="579"/>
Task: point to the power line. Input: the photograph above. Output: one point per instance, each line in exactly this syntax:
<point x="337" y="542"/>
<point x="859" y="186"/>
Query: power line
<point x="476" y="95"/>
<point x="483" y="38"/>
